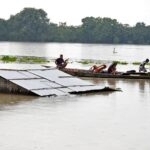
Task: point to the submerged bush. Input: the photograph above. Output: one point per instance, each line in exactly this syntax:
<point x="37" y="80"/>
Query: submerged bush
<point x="32" y="60"/>
<point x="23" y="59"/>
<point x="85" y="62"/>
<point x="9" y="58"/>
<point x="136" y="63"/>
<point x="121" y="62"/>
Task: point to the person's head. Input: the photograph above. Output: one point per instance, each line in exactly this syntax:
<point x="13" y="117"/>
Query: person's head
<point x="147" y="60"/>
<point x="61" y="55"/>
<point x="94" y="66"/>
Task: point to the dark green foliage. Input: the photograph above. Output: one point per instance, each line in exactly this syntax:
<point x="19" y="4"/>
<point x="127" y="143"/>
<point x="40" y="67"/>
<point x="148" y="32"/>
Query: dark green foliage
<point x="23" y="59"/>
<point x="29" y="25"/>
<point x="33" y="25"/>
<point x="8" y="59"/>
<point x="3" y="30"/>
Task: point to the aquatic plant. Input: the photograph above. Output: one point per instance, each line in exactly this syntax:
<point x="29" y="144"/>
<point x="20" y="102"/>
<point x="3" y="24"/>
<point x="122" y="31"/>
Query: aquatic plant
<point x="90" y="61"/>
<point x="23" y="59"/>
<point x="85" y="61"/>
<point x="121" y="62"/>
<point x="32" y="60"/>
<point x="136" y="63"/>
<point x="8" y="58"/>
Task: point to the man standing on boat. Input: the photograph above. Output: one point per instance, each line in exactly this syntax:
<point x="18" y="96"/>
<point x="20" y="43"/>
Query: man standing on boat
<point x="142" y="66"/>
<point x="60" y="62"/>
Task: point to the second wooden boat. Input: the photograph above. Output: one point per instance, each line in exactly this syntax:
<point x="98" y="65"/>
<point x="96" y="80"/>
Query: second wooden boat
<point x="89" y="73"/>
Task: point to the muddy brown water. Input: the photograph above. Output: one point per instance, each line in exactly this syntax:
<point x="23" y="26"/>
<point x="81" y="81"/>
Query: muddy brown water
<point x="107" y="121"/>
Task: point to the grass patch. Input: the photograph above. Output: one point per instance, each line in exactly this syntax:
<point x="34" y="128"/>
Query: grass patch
<point x="32" y="60"/>
<point x="136" y="63"/>
<point x="84" y="62"/>
<point x="23" y="59"/>
<point x="100" y="62"/>
<point x="121" y="62"/>
<point x="90" y="61"/>
<point x="9" y="58"/>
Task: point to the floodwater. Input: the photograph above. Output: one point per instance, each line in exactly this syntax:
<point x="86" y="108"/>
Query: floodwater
<point x="99" y="121"/>
<point x="77" y="51"/>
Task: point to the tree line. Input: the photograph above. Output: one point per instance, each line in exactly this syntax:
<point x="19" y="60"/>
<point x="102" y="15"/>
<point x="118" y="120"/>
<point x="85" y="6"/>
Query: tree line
<point x="33" y="25"/>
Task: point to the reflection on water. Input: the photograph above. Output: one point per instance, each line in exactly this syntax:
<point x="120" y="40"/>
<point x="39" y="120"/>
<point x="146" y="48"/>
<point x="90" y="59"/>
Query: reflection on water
<point x="141" y="84"/>
<point x="139" y="89"/>
<point x="12" y="100"/>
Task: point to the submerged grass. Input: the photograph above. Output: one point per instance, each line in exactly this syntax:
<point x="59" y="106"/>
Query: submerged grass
<point x="85" y="62"/>
<point x="100" y="62"/>
<point x="138" y="63"/>
<point x="23" y="59"/>
<point x="32" y="59"/>
<point x="90" y="61"/>
<point x="121" y="62"/>
<point x="8" y="58"/>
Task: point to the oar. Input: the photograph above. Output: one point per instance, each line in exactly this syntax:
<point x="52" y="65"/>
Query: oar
<point x="46" y="66"/>
<point x="49" y="67"/>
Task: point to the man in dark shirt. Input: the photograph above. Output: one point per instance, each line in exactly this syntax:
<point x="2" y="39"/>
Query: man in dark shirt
<point x="60" y="62"/>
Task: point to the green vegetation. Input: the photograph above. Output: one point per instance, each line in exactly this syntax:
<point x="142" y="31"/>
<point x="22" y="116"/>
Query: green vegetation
<point x="32" y="60"/>
<point x="23" y="59"/>
<point x="85" y="61"/>
<point x="8" y="59"/>
<point x="38" y="60"/>
<point x="33" y="25"/>
<point x="121" y="62"/>
<point x="90" y="61"/>
<point x="136" y="63"/>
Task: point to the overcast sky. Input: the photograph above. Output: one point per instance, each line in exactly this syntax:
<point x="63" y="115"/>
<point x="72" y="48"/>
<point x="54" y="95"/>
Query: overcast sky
<point x="72" y="11"/>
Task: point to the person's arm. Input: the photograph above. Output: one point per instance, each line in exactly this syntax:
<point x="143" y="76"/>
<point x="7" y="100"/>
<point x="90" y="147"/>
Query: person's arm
<point x="56" y="61"/>
<point x="92" y="69"/>
<point x="66" y="60"/>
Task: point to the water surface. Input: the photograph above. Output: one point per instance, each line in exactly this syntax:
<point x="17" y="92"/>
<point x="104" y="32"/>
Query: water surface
<point x="107" y="121"/>
<point x="77" y="51"/>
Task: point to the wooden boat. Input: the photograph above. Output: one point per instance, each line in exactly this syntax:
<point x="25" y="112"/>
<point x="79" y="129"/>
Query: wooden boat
<point x="123" y="75"/>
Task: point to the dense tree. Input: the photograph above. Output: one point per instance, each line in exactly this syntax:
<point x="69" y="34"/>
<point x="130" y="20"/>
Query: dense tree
<point x="33" y="25"/>
<point x="3" y="30"/>
<point x="29" y="25"/>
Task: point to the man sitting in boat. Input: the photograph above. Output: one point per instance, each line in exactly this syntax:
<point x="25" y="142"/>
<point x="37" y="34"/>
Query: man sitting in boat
<point x="60" y="62"/>
<point x="142" y="66"/>
<point x="96" y="69"/>
<point x="112" y="68"/>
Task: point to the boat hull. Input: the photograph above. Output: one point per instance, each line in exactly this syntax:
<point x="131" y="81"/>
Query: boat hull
<point x="88" y="73"/>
